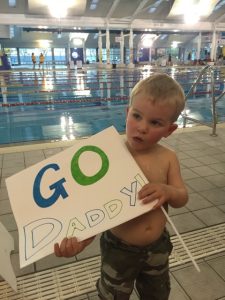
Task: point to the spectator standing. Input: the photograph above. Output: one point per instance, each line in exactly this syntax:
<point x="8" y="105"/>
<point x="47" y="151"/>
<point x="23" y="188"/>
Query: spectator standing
<point x="33" y="58"/>
<point x="41" y="61"/>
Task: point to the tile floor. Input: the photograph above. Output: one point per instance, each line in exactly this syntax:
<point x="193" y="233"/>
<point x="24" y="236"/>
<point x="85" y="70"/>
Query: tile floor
<point x="202" y="159"/>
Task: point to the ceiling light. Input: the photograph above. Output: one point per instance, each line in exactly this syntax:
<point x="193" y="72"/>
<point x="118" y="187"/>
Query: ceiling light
<point x="77" y="42"/>
<point x="58" y="8"/>
<point x="192" y="13"/>
<point x="203" y="7"/>
<point x="148" y="40"/>
<point x="147" y="43"/>
<point x="44" y="43"/>
<point x="174" y="44"/>
<point x="191" y="18"/>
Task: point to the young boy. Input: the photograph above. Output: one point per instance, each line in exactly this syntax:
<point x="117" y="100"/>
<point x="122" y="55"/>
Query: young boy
<point x="138" y="250"/>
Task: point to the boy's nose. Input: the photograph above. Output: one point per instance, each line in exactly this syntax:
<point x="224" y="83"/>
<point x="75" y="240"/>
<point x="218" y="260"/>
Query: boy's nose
<point x="142" y="127"/>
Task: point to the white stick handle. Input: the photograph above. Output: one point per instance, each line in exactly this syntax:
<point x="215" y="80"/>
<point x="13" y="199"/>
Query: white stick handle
<point x="180" y="238"/>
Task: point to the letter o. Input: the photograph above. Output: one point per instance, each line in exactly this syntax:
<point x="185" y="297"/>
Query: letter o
<point x="79" y="176"/>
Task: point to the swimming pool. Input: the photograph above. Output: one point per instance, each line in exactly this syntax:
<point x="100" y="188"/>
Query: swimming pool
<point x="65" y="105"/>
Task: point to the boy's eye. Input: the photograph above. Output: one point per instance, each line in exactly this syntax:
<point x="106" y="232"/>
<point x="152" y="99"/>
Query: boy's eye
<point x="136" y="115"/>
<point x="155" y="123"/>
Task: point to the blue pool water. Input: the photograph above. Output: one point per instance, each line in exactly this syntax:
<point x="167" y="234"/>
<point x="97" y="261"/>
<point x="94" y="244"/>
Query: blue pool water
<point x="64" y="105"/>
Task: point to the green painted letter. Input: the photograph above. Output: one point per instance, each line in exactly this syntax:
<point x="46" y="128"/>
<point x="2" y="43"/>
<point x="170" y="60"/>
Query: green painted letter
<point x="79" y="176"/>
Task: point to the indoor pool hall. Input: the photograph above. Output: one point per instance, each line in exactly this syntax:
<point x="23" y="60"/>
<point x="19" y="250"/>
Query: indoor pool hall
<point x="112" y="125"/>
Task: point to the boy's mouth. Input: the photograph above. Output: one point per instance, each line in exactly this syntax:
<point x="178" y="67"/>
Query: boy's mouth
<point x="137" y="139"/>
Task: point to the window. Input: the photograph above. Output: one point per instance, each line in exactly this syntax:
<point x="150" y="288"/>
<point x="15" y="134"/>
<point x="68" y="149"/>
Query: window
<point x="25" y="55"/>
<point x="12" y="54"/>
<point x="60" y="55"/>
<point x="91" y="55"/>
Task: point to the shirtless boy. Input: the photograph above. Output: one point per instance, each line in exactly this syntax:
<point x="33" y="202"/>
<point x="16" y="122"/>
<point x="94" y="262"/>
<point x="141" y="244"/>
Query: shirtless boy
<point x="137" y="252"/>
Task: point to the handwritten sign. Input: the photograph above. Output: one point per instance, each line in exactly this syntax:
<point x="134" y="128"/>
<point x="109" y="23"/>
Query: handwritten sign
<point x="80" y="192"/>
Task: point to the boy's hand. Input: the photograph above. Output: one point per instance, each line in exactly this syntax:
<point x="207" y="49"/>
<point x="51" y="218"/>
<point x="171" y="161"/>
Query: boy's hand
<point x="154" y="191"/>
<point x="70" y="247"/>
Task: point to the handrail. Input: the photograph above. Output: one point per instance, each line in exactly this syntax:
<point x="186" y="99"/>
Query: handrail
<point x="213" y="101"/>
<point x="214" y="116"/>
<point x="197" y="81"/>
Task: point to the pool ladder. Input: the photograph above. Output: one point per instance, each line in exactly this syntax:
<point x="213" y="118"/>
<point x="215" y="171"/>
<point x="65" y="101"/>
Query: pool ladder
<point x="214" y="100"/>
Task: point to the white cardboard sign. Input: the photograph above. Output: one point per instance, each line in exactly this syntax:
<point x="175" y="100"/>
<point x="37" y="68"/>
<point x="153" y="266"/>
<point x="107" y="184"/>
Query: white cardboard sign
<point x="82" y="191"/>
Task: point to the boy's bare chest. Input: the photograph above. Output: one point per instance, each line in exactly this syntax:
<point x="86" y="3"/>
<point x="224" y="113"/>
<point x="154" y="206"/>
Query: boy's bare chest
<point x="155" y="169"/>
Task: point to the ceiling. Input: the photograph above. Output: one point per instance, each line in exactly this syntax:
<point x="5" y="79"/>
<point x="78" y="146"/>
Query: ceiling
<point x="161" y="17"/>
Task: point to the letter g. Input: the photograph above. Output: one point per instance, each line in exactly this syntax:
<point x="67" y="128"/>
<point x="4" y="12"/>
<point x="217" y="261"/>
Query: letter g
<point x="57" y="186"/>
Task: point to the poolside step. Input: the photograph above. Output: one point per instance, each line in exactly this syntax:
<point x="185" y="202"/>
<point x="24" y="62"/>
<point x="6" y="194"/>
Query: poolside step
<point x="79" y="278"/>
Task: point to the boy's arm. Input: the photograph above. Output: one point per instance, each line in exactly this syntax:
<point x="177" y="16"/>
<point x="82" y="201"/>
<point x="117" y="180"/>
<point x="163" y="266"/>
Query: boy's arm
<point x="178" y="191"/>
<point x="70" y="247"/>
<point x="174" y="192"/>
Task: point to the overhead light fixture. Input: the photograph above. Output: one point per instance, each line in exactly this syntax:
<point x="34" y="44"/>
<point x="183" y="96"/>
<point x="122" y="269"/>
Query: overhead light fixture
<point x="77" y="42"/>
<point x="203" y="7"/>
<point x="148" y="40"/>
<point x="174" y="44"/>
<point x="44" y="43"/>
<point x="58" y="8"/>
<point x="147" y="43"/>
<point x="191" y="17"/>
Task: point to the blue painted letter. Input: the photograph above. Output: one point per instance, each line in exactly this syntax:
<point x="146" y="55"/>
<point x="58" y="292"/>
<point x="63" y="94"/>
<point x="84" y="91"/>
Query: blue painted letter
<point x="57" y="186"/>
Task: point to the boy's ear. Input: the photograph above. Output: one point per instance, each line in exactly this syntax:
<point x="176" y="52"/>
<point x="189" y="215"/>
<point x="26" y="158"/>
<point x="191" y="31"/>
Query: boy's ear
<point x="171" y="129"/>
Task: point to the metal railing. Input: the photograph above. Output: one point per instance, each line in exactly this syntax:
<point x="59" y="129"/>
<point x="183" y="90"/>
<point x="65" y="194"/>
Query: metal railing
<point x="214" y="101"/>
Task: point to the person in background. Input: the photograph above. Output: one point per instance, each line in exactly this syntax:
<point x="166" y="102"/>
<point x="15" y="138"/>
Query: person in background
<point x="137" y="252"/>
<point x="189" y="57"/>
<point x="169" y="60"/>
<point x="33" y="58"/>
<point x="41" y="61"/>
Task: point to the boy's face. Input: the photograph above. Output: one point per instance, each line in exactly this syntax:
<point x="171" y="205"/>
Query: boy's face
<point x="147" y="122"/>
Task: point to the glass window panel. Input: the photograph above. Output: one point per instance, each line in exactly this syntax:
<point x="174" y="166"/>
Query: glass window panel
<point x="12" y="55"/>
<point x="91" y="55"/>
<point x="60" y="54"/>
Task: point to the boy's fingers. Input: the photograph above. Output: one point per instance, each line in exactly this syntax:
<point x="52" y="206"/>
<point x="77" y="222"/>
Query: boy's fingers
<point x="70" y="247"/>
<point x="74" y="243"/>
<point x="57" y="250"/>
<point x="63" y="245"/>
<point x="75" y="246"/>
<point x="146" y="191"/>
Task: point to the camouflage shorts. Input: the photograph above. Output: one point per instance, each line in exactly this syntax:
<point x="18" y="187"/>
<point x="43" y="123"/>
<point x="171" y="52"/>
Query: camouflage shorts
<point x="125" y="265"/>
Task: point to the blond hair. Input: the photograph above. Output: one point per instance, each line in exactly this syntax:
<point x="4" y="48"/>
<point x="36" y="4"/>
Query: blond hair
<point x="160" y="87"/>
